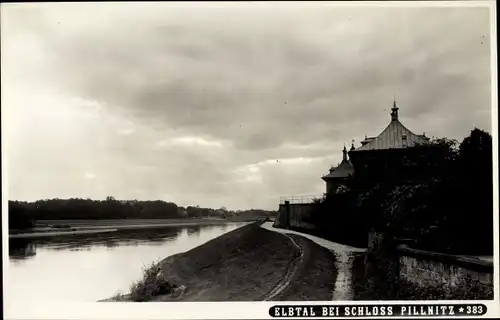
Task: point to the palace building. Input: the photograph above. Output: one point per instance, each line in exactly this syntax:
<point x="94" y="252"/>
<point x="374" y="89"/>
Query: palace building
<point x="375" y="153"/>
<point x="339" y="175"/>
<point x="378" y="158"/>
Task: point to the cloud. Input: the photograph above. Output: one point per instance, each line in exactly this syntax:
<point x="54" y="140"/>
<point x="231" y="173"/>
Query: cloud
<point x="188" y="142"/>
<point x="199" y="94"/>
<point x="89" y="175"/>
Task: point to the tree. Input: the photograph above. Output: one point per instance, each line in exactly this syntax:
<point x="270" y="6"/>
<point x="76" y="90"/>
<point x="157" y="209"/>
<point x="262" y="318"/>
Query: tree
<point x="476" y="196"/>
<point x="20" y="216"/>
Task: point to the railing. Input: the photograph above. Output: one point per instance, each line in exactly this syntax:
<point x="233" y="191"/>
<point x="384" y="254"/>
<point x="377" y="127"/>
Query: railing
<point x="300" y="199"/>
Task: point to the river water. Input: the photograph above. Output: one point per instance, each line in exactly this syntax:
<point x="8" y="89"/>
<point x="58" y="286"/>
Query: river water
<point x="87" y="268"/>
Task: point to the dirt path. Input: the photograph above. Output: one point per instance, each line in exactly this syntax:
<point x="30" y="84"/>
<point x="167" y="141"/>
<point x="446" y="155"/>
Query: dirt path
<point x="343" y="262"/>
<point x="292" y="269"/>
<point x="251" y="264"/>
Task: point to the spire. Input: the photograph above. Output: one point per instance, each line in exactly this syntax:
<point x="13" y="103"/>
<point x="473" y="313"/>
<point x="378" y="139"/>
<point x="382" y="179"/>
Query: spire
<point x="344" y="157"/>
<point x="394" y="113"/>
<point x="352" y="145"/>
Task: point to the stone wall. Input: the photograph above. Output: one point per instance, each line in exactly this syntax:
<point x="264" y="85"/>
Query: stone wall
<point x="296" y="215"/>
<point x="430" y="268"/>
<point x="283" y="218"/>
<point x="426" y="268"/>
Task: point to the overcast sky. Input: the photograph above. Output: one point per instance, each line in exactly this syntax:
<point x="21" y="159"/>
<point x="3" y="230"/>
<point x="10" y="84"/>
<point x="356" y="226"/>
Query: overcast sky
<point x="224" y="104"/>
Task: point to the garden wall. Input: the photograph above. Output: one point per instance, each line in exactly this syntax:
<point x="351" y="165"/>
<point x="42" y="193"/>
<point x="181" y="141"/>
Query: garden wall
<point x="296" y="215"/>
<point x="431" y="268"/>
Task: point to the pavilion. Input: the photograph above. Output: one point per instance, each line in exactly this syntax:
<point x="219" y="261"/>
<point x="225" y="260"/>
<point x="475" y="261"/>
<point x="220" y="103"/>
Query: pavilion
<point x="374" y="153"/>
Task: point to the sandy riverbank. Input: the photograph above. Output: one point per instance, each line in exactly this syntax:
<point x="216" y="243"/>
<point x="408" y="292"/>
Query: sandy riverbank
<point x="251" y="264"/>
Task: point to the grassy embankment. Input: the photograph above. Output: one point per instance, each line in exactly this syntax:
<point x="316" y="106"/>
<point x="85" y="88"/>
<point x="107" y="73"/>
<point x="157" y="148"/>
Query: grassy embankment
<point x="315" y="277"/>
<point x="242" y="265"/>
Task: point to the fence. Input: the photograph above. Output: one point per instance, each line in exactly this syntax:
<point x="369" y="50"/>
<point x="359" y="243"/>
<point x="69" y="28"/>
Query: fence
<point x="300" y="199"/>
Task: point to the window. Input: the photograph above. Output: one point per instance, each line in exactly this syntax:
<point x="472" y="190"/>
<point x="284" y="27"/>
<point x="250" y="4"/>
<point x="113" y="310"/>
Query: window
<point x="404" y="140"/>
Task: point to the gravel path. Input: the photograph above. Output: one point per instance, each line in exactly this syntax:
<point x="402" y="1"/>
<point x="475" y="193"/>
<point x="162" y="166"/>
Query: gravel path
<point x="343" y="262"/>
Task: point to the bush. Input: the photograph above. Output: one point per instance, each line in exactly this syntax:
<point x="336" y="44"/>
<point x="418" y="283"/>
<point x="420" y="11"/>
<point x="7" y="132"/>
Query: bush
<point x="152" y="284"/>
<point x="337" y="219"/>
<point x="441" y="196"/>
<point x="119" y="298"/>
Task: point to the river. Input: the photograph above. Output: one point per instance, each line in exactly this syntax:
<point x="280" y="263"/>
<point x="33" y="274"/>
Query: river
<point x="87" y="268"/>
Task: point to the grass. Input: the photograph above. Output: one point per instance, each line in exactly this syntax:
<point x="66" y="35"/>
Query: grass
<point x="150" y="285"/>
<point x="315" y="278"/>
<point x="379" y="284"/>
<point x="242" y="265"/>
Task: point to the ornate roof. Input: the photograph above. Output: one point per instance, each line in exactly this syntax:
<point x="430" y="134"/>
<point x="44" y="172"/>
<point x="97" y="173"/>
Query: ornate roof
<point x="343" y="170"/>
<point x="367" y="139"/>
<point x="394" y="136"/>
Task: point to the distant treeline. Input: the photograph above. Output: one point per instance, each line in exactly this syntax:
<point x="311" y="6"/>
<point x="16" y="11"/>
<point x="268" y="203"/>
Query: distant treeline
<point x="440" y="195"/>
<point x="25" y="214"/>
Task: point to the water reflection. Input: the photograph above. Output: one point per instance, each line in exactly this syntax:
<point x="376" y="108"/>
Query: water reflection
<point x="195" y="230"/>
<point x="99" y="265"/>
<point x="21" y="249"/>
<point x="25" y="248"/>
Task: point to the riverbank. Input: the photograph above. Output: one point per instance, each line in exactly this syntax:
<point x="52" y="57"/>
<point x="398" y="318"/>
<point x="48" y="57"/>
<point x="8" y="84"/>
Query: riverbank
<point x="74" y="227"/>
<point x="57" y="233"/>
<point x="247" y="264"/>
<point x="132" y="222"/>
